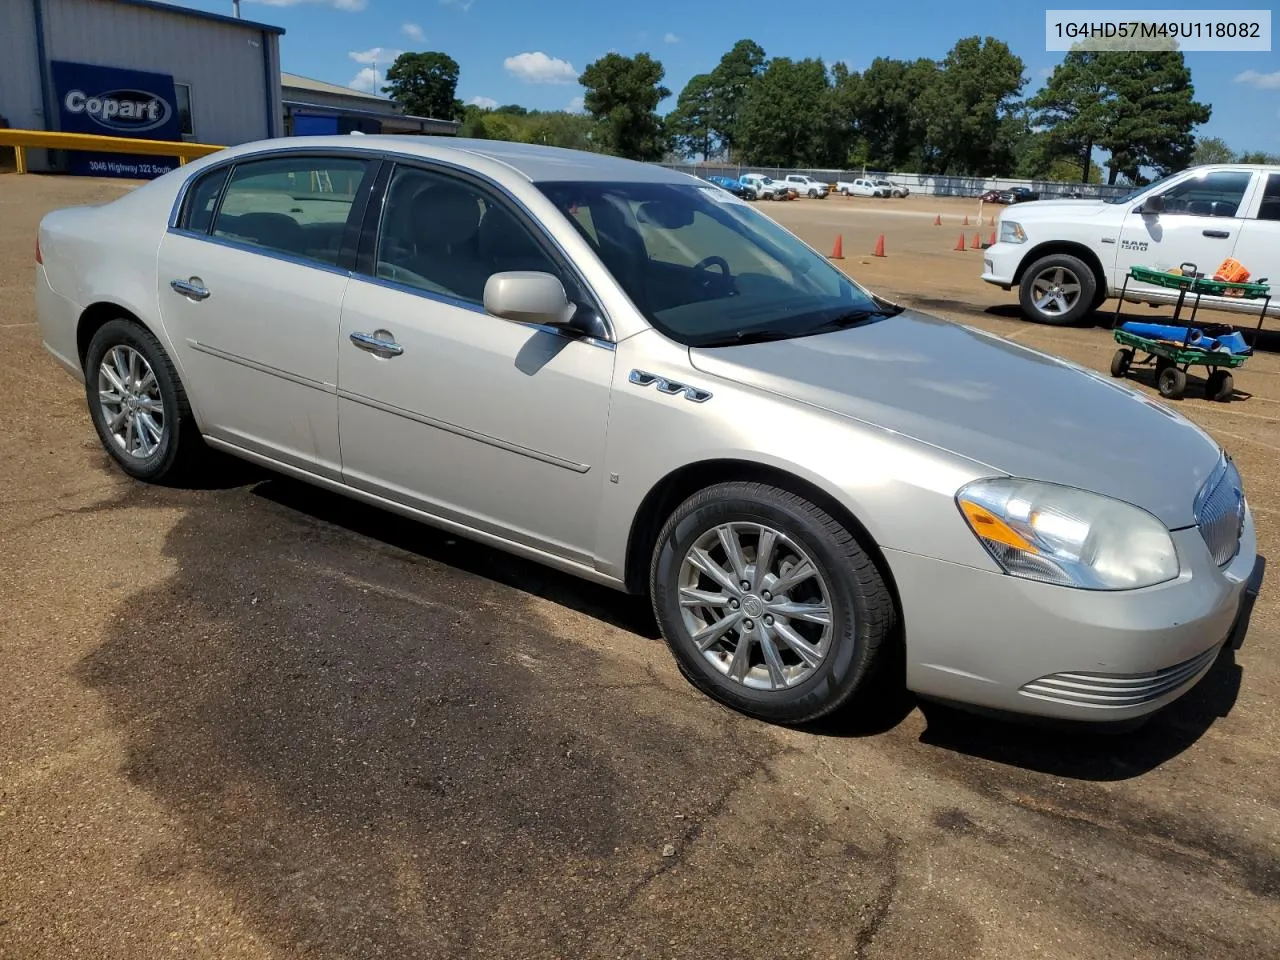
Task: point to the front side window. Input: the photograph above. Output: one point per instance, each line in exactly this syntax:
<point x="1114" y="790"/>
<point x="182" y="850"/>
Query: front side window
<point x="1216" y="194"/>
<point x="447" y="236"/>
<point x="705" y="268"/>
<point x="293" y="205"/>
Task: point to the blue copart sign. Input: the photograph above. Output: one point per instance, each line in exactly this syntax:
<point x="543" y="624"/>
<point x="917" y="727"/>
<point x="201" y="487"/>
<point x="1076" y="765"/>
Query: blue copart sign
<point x="119" y="103"/>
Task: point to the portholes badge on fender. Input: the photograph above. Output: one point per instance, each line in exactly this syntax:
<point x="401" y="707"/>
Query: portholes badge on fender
<point x="643" y="378"/>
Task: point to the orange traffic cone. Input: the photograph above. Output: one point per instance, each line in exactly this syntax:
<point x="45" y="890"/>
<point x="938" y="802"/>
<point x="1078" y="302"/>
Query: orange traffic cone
<point x="966" y="219"/>
<point x="838" y="252"/>
<point x="977" y="242"/>
<point x="991" y="241"/>
<point x="879" y="247"/>
<point x="960" y="243"/>
<point x="937" y="220"/>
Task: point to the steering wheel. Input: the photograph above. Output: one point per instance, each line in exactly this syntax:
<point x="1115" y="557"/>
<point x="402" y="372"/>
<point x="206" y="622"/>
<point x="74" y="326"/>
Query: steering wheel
<point x="714" y="261"/>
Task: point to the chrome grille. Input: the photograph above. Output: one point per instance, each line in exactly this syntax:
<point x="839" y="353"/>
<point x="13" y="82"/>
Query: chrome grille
<point x="1117" y="690"/>
<point x="1220" y="512"/>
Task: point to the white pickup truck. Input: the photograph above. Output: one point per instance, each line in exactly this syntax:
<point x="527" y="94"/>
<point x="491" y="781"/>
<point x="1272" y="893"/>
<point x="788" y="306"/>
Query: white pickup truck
<point x="1067" y="256"/>
<point x="766" y="188"/>
<point x="862" y="187"/>
<point x="807" y="186"/>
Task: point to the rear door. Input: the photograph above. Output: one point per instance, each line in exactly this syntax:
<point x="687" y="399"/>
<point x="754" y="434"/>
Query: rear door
<point x="1200" y="224"/>
<point x="1258" y="248"/>
<point x="250" y="285"/>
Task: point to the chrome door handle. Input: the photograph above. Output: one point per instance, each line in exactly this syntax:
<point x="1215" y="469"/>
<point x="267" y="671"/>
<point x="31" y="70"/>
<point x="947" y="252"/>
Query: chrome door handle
<point x="379" y="342"/>
<point x="190" y="288"/>
<point x="1216" y="234"/>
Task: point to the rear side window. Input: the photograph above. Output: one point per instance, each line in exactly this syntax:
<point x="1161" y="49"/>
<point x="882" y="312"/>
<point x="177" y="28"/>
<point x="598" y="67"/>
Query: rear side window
<point x="1270" y="208"/>
<point x="1216" y="194"/>
<point x="201" y="200"/>
<point x="293" y="205"/>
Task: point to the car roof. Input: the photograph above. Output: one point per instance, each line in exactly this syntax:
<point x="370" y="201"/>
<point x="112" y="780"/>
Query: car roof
<point x="535" y="162"/>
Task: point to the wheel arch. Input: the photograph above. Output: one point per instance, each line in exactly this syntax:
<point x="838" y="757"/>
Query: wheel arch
<point x="1071" y="248"/>
<point x="97" y="315"/>
<point x="678" y="485"/>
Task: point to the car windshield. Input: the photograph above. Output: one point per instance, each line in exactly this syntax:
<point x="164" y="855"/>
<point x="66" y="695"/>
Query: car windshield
<point x="705" y="268"/>
<point x="1138" y="191"/>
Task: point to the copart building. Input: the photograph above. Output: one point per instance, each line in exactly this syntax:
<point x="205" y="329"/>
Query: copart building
<point x="151" y="70"/>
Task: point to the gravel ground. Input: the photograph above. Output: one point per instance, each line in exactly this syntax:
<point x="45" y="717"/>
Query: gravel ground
<point x="255" y="720"/>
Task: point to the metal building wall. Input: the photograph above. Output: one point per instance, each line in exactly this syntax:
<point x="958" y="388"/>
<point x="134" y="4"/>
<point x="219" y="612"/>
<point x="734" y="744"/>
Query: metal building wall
<point x="233" y="70"/>
<point x="19" y="69"/>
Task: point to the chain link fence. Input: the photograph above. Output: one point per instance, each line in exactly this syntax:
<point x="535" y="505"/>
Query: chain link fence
<point x="922" y="183"/>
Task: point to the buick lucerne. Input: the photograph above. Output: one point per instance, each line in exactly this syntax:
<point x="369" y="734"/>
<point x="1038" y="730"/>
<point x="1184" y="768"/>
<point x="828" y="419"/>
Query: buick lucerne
<point x="629" y="374"/>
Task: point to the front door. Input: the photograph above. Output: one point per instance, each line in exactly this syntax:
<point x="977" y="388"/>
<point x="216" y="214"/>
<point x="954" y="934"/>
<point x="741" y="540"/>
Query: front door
<point x="250" y="290"/>
<point x="1200" y="224"/>
<point x="477" y="420"/>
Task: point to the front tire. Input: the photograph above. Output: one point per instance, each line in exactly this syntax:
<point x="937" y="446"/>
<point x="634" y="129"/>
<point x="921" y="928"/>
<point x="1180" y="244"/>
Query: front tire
<point x="768" y="604"/>
<point x="1057" y="290"/>
<point x="138" y="404"/>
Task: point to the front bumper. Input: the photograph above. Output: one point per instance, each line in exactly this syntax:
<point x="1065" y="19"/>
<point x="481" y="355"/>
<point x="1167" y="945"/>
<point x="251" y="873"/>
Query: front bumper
<point x="1000" y="263"/>
<point x="1000" y="643"/>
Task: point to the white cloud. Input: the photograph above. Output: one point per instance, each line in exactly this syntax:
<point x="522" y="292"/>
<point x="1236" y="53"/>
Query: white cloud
<point x="463" y="5"/>
<point x="1263" y="81"/>
<point x="374" y="55"/>
<point x="539" y="68"/>
<point x="484" y="103"/>
<point x="413" y="31"/>
<point x="336" y="4"/>
<point x="670" y="38"/>
<point x="575" y="105"/>
<point x="365" y="81"/>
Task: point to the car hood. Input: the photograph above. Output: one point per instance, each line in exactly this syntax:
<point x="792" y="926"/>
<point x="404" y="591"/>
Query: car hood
<point x="1009" y="408"/>
<point x="1055" y="208"/>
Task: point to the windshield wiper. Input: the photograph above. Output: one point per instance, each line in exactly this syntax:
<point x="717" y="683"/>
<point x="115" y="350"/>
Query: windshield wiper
<point x="749" y="336"/>
<point x="852" y="319"/>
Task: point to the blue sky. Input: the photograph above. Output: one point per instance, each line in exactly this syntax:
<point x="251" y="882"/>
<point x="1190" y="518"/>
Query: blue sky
<point x="519" y="51"/>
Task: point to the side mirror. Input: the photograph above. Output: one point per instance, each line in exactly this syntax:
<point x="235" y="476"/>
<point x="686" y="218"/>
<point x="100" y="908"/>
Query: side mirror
<point x="1153" y="204"/>
<point x="528" y="296"/>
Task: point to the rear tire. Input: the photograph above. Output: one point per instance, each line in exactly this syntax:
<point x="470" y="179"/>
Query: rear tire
<point x="138" y="404"/>
<point x="1171" y="383"/>
<point x="795" y="666"/>
<point x="1220" y="386"/>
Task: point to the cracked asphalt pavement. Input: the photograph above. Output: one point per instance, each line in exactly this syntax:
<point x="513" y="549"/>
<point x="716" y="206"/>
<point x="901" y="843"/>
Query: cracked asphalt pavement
<point x="254" y="720"/>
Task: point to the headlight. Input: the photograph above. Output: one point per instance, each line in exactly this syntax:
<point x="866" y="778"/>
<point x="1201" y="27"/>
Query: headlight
<point x="1011" y="232"/>
<point x="1055" y="534"/>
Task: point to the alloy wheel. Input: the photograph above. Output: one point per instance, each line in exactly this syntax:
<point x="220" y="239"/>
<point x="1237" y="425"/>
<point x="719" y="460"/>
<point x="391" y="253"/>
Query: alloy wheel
<point x="129" y="397"/>
<point x="1055" y="291"/>
<point x="756" y="605"/>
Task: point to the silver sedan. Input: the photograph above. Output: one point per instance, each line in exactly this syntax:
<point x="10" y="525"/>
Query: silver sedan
<point x="623" y="372"/>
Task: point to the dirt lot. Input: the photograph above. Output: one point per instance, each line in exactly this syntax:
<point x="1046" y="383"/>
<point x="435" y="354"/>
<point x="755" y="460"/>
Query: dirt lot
<point x="257" y="721"/>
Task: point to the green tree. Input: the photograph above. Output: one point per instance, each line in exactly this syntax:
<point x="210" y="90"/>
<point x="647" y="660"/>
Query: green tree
<point x="690" y="122"/>
<point x="966" y="105"/>
<point x="1154" y="112"/>
<point x="786" y="118"/>
<point x="729" y="83"/>
<point x="1257" y="156"/>
<point x="1212" y="150"/>
<point x="887" y="118"/>
<point x="1138" y="106"/>
<point x="622" y="94"/>
<point x="424" y="84"/>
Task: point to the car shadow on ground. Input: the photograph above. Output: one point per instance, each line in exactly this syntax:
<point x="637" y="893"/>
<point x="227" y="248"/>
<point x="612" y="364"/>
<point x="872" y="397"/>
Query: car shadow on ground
<point x="1070" y="752"/>
<point x="628" y="613"/>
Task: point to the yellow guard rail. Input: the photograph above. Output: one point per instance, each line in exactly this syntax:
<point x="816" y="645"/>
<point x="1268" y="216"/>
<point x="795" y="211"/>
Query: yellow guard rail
<point x="20" y="140"/>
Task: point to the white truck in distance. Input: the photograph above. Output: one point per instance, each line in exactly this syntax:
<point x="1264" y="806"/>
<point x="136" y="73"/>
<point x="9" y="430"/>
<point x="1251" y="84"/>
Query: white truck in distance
<point x="861" y="187"/>
<point x="766" y="188"/>
<point x="1067" y="256"/>
<point x="807" y="186"/>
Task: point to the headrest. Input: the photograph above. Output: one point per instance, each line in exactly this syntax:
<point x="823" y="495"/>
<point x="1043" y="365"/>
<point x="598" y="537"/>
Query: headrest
<point x="445" y="214"/>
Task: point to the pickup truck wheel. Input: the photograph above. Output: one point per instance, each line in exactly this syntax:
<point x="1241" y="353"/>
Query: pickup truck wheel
<point x="767" y="602"/>
<point x="813" y="194"/>
<point x="1057" y="289"/>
